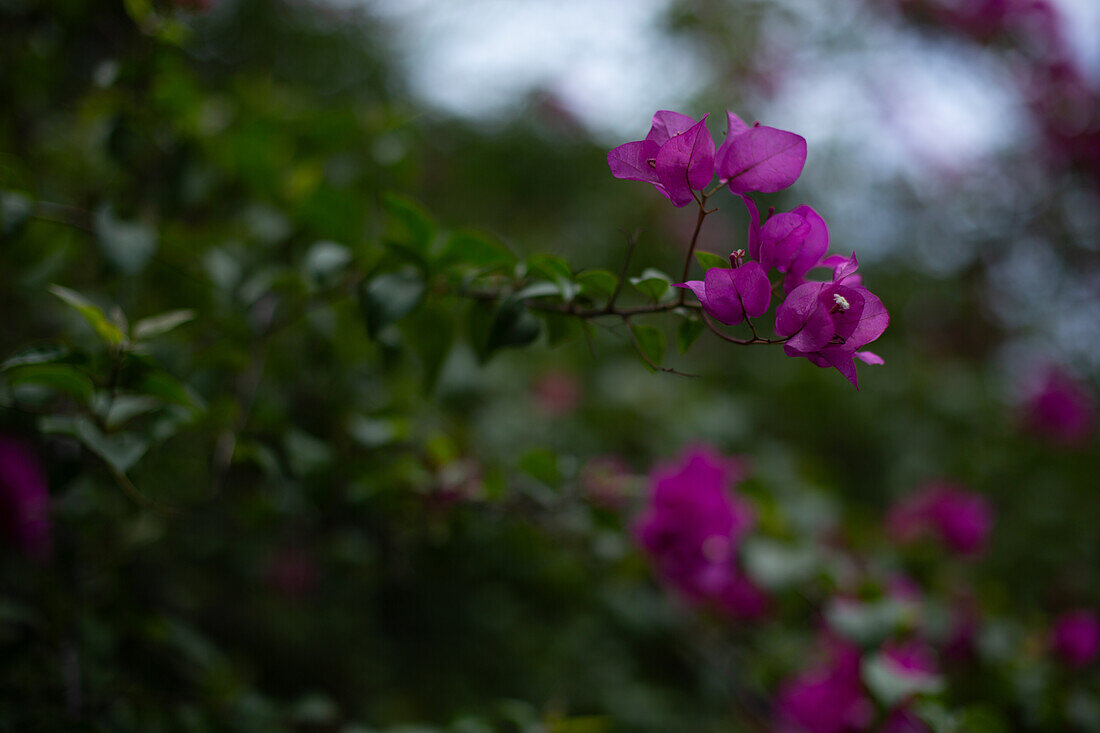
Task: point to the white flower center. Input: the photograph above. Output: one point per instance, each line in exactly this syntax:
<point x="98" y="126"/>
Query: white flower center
<point x="841" y="301"/>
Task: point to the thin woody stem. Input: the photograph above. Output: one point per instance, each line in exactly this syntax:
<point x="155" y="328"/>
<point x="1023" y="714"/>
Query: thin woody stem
<point x="694" y="240"/>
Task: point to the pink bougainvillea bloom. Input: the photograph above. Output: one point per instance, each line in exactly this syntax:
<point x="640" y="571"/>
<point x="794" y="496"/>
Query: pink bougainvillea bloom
<point x="557" y="393"/>
<point x="1076" y="637"/>
<point x="731" y="294"/>
<point x="1061" y="408"/>
<point x="759" y="158"/>
<point x="826" y="699"/>
<point x="678" y="157"/>
<point x="961" y="519"/>
<point x="792" y="242"/>
<point x="24" y="500"/>
<point x="829" y="322"/>
<point x="692" y="528"/>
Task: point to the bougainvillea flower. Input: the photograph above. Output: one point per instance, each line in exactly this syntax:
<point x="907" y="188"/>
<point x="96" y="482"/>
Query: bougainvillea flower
<point x="731" y="294"/>
<point x="676" y="156"/>
<point x="759" y="158"/>
<point x="692" y="529"/>
<point x="686" y="163"/>
<point x="1076" y="637"/>
<point x="827" y="699"/>
<point x="24" y="500"/>
<point x="961" y="519"/>
<point x="828" y="322"/>
<point x="1060" y="408"/>
<point x="792" y="242"/>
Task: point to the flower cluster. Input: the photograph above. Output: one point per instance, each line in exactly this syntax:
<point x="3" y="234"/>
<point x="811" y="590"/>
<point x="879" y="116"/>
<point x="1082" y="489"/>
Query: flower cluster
<point x="960" y="519"/>
<point x="828" y="323"/>
<point x="692" y="529"/>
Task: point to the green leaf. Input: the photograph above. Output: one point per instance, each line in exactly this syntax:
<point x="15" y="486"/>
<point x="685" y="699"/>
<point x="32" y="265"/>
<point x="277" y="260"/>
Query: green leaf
<point x="651" y="342"/>
<point x="687" y="332"/>
<point x="554" y="269"/>
<point x="119" y="450"/>
<point x="541" y="464"/>
<point x="92" y="313"/>
<point x="375" y="432"/>
<point x="510" y="324"/>
<point x="60" y="377"/>
<point x="35" y="355"/>
<point x="776" y="565"/>
<point x="652" y="283"/>
<point x="389" y="297"/>
<point x="325" y="260"/>
<point x="707" y="260"/>
<point x="164" y="386"/>
<point x="128" y="245"/>
<point x="15" y="209"/>
<point x="160" y="324"/>
<point x="475" y="250"/>
<point x="597" y="282"/>
<point x="408" y="223"/>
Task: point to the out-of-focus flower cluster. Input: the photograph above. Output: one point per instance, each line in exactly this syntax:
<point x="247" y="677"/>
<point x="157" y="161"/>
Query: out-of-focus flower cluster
<point x="886" y="643"/>
<point x="693" y="528"/>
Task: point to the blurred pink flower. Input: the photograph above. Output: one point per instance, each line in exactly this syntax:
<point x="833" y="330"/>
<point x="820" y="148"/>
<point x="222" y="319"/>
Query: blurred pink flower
<point x="24" y="500"/>
<point x="693" y="527"/>
<point x="557" y="393"/>
<point x="826" y="699"/>
<point x="1060" y="408"/>
<point x="960" y="519"/>
<point x="1076" y="637"/>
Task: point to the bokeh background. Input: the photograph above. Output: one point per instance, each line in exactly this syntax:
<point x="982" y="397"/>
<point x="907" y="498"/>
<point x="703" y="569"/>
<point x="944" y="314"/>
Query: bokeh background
<point x="294" y="514"/>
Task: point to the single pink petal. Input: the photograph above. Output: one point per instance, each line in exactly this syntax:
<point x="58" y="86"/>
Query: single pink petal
<point x="872" y="321"/>
<point x="631" y="161"/>
<point x="667" y="125"/>
<point x="814" y="245"/>
<point x="869" y="357"/>
<point x="734" y="126"/>
<point x="843" y="267"/>
<point x="686" y="162"/>
<point x="841" y="358"/>
<point x="723" y="301"/>
<point x="781" y="239"/>
<point x="754" y="227"/>
<point x="763" y="159"/>
<point x="802" y="319"/>
<point x="697" y="287"/>
<point x="751" y="282"/>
